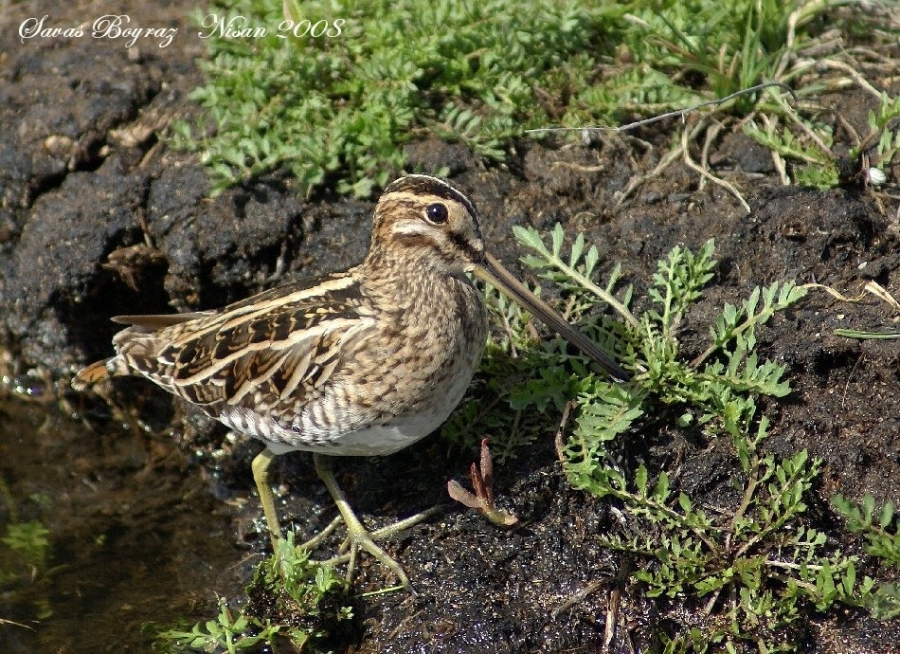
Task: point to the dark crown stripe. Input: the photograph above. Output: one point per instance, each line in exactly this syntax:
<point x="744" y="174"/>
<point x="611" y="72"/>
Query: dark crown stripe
<point x="427" y="185"/>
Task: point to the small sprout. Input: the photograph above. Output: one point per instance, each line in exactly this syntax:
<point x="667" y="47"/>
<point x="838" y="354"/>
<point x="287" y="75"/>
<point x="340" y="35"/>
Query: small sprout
<point x="483" y="498"/>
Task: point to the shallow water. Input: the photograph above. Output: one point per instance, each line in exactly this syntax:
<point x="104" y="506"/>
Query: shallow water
<point x="136" y="535"/>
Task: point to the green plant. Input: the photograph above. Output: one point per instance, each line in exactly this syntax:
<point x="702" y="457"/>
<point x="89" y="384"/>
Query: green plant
<point x="879" y="121"/>
<point x="734" y="47"/>
<point x="339" y="105"/>
<point x="750" y="570"/>
<point x="809" y="144"/>
<point x="29" y="543"/>
<point x="25" y="552"/>
<point x="881" y="530"/>
<point x="817" y="165"/>
<point x="225" y="633"/>
<point x="291" y="599"/>
<point x="674" y="54"/>
<point x="331" y="91"/>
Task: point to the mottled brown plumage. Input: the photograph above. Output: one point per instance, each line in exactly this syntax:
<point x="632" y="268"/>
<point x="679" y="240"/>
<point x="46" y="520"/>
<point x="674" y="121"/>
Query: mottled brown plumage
<point x="361" y="362"/>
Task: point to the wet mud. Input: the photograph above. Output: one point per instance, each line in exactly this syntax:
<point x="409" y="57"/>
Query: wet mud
<point x="152" y="512"/>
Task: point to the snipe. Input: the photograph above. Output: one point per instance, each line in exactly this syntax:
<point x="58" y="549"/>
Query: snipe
<point x="355" y="363"/>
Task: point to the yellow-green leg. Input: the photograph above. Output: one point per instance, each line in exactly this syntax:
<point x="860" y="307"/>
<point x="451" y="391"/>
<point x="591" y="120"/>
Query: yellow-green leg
<point x="260" y="466"/>
<point x="358" y="537"/>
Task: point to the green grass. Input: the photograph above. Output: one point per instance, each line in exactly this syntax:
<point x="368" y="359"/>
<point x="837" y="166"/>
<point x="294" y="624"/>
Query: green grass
<point x="337" y="110"/>
<point x="881" y="531"/>
<point x="816" y="164"/>
<point x="334" y="110"/>
<point x="292" y="603"/>
<point x="25" y="557"/>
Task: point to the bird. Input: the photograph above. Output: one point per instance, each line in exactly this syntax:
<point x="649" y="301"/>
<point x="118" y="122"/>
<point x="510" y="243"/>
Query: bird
<point x="361" y="362"/>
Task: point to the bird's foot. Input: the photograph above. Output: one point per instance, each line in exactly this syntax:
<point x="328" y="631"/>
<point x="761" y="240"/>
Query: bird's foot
<point x="319" y="538"/>
<point x="360" y="538"/>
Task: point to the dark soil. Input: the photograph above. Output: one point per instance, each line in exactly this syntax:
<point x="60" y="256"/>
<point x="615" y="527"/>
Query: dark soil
<point x="98" y="218"/>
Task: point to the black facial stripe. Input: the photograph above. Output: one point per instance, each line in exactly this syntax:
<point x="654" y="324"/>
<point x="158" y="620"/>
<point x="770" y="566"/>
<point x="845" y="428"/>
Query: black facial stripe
<point x="463" y="245"/>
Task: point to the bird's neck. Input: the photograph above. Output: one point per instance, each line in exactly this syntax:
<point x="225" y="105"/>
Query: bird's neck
<point x="410" y="281"/>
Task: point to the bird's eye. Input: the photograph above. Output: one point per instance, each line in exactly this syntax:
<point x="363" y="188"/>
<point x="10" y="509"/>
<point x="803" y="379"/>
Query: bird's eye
<point x="436" y="213"/>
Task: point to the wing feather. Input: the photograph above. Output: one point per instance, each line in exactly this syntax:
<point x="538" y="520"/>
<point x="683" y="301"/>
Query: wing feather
<point x="265" y="353"/>
<point x="152" y="323"/>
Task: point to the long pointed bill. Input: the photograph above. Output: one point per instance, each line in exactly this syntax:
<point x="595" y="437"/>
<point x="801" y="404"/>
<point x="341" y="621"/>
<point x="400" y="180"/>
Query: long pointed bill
<point x="492" y="271"/>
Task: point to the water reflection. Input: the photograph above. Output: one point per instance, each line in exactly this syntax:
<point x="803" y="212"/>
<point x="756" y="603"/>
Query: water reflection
<point x="135" y="536"/>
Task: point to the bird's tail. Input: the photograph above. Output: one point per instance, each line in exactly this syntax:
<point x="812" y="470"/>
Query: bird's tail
<point x="94" y="373"/>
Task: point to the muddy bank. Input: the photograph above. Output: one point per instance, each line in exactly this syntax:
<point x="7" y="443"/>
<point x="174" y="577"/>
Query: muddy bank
<point x="147" y="523"/>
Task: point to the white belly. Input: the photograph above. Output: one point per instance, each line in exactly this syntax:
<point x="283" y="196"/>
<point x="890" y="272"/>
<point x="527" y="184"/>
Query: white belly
<point x="374" y="440"/>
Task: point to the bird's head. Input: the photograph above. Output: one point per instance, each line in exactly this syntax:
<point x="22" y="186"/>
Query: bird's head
<point x="425" y="222"/>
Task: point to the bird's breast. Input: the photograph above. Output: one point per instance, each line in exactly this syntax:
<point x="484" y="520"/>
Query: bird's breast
<point x="395" y="383"/>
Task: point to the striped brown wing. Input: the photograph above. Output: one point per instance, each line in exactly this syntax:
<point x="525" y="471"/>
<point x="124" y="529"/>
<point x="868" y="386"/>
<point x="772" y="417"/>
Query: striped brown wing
<point x="269" y="353"/>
